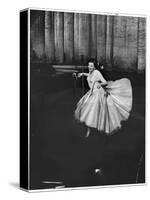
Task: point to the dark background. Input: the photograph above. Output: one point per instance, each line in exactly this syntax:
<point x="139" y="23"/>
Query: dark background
<point x="59" y="151"/>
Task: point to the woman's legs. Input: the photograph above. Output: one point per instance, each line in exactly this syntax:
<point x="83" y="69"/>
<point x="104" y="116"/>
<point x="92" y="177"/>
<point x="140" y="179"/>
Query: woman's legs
<point x="88" y="132"/>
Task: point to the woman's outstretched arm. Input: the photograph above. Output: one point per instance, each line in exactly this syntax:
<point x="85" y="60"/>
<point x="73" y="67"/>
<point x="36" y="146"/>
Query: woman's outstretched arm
<point x="82" y="74"/>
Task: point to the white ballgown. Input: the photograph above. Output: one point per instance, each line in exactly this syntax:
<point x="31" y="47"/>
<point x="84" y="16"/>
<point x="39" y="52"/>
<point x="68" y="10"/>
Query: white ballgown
<point x="104" y="108"/>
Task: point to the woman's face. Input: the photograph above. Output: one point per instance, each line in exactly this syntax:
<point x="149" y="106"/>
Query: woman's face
<point x="91" y="66"/>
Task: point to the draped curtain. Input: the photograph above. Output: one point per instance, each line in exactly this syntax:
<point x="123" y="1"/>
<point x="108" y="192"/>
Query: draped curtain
<point x="72" y="38"/>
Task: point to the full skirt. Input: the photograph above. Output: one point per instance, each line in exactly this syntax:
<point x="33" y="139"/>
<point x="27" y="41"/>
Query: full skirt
<point x="107" y="107"/>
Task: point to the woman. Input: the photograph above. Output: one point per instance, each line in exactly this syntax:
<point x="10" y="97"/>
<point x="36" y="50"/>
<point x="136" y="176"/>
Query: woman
<point x="106" y="104"/>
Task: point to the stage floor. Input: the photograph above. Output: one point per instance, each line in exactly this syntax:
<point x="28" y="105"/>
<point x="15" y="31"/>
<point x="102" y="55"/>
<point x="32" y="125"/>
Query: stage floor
<point x="60" y="153"/>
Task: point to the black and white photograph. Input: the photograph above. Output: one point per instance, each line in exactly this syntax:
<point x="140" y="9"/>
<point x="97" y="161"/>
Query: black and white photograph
<point x="86" y="99"/>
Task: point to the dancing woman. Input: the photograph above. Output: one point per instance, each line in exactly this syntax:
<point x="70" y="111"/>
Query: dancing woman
<point x="106" y="104"/>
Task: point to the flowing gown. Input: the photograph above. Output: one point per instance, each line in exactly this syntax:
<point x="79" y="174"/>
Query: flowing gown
<point x="104" y="108"/>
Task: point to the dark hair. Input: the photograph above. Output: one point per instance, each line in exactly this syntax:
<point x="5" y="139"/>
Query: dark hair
<point x="94" y="61"/>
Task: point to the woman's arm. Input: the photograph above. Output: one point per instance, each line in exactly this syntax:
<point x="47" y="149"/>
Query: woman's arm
<point x="82" y="74"/>
<point x="103" y="83"/>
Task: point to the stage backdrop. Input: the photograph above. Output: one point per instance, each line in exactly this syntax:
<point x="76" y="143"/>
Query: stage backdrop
<point x="72" y="38"/>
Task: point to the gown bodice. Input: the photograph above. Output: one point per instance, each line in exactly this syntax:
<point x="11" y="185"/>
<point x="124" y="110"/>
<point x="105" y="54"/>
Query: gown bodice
<point x="95" y="78"/>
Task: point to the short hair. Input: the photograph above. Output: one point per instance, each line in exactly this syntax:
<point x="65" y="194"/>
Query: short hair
<point x="94" y="61"/>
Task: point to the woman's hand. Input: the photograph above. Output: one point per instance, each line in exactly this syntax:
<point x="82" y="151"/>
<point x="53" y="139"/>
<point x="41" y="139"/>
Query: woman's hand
<point x="74" y="74"/>
<point x="79" y="75"/>
<point x="99" y="86"/>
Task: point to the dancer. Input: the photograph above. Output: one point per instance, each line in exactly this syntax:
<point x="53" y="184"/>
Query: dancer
<point x="106" y="104"/>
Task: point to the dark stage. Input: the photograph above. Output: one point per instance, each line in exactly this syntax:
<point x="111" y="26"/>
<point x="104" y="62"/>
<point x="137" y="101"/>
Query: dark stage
<point x="60" y="153"/>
